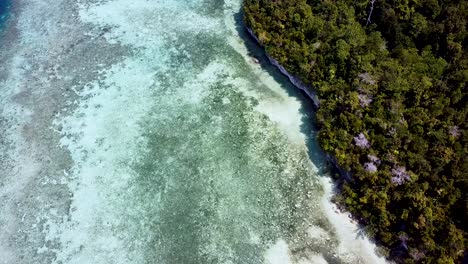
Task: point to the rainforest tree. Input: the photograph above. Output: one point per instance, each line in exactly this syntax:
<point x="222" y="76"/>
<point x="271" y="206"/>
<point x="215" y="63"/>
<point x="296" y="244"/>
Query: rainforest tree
<point x="391" y="76"/>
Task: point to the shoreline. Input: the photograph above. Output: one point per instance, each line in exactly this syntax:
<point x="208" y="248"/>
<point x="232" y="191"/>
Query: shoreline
<point x="43" y="68"/>
<point x="336" y="182"/>
<point x="310" y="93"/>
<point x="308" y="90"/>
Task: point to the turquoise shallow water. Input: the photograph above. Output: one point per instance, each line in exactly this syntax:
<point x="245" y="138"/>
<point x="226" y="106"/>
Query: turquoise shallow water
<point x="182" y="149"/>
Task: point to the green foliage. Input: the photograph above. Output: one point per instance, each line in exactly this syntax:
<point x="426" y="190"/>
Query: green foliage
<point x="401" y="81"/>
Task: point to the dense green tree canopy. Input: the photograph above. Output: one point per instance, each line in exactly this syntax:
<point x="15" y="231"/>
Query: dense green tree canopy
<point x="392" y="80"/>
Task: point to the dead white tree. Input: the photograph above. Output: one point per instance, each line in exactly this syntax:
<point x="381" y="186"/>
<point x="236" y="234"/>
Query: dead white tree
<point x="370" y="12"/>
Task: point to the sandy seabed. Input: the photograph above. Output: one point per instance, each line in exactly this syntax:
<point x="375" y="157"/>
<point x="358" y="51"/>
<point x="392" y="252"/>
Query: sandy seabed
<point x="142" y="132"/>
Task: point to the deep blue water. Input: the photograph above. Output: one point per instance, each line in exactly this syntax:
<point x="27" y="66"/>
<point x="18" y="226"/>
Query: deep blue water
<point x="4" y="5"/>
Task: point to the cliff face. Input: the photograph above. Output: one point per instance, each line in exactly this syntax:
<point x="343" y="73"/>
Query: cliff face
<point x="391" y="112"/>
<point x="297" y="82"/>
<point x="293" y="79"/>
<point x="308" y="90"/>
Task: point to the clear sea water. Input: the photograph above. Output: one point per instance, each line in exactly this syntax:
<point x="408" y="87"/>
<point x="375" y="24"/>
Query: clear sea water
<point x="182" y="148"/>
<point x="4" y="5"/>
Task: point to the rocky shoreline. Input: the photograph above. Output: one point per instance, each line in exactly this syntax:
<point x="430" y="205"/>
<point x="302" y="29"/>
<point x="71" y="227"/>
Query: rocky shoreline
<point x="311" y="94"/>
<point x="293" y="79"/>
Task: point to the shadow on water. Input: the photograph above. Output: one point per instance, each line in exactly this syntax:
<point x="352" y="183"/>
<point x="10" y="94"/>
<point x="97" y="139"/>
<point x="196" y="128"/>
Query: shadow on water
<point x="309" y="122"/>
<point x="309" y="125"/>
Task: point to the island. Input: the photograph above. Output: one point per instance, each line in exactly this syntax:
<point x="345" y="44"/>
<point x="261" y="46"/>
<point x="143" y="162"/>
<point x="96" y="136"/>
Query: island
<point x="390" y="81"/>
